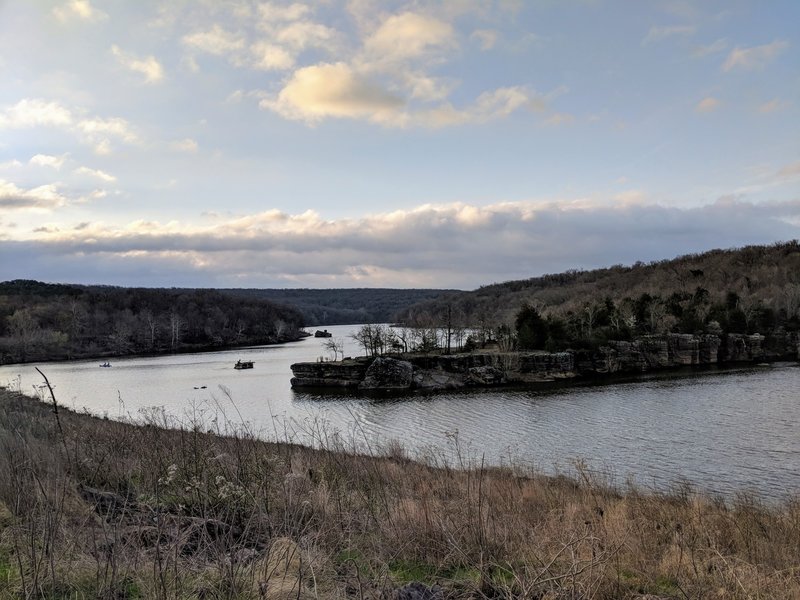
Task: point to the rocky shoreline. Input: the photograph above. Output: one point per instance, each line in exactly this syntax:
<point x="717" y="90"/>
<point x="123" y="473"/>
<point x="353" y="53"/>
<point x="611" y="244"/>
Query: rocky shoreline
<point x="433" y="372"/>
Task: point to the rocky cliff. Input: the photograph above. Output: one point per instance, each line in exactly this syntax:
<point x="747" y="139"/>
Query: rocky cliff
<point x="485" y="369"/>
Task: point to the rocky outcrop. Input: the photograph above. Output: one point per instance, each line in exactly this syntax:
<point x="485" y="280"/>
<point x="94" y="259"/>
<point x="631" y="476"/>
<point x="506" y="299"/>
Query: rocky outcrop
<point x="388" y="374"/>
<point x="342" y="374"/>
<point x="487" y="369"/>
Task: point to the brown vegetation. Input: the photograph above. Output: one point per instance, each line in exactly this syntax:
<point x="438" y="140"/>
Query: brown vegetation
<point x="742" y="290"/>
<point x="91" y="508"/>
<point x="40" y="321"/>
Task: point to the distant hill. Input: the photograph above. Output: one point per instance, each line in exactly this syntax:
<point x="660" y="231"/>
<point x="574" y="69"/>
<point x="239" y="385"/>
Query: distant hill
<point x="41" y="321"/>
<point x="737" y="290"/>
<point x="343" y="306"/>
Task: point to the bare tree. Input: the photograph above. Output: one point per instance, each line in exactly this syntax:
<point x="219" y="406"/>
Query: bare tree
<point x="335" y="346"/>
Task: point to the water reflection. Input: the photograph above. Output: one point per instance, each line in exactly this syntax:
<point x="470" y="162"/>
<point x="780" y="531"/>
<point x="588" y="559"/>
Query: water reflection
<point x="723" y="432"/>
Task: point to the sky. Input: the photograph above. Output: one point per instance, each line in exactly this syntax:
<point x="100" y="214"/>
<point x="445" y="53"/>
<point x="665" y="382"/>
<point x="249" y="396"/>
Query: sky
<point x="357" y="143"/>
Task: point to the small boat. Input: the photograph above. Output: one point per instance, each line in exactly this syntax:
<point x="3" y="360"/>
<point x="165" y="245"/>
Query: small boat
<point x="243" y="364"/>
<point x="322" y="334"/>
<point x="105" y="364"/>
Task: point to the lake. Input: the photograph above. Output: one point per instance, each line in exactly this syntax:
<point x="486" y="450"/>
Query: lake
<point x="724" y="432"/>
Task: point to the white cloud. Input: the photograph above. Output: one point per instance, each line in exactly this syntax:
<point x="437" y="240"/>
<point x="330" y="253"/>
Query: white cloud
<point x="409" y="36"/>
<point x="339" y="91"/>
<point x="187" y="145"/>
<point x="78" y="9"/>
<point x="10" y="164"/>
<point x="305" y="34"/>
<point x="41" y="198"/>
<point x="45" y="160"/>
<point x="270" y="12"/>
<point x="149" y="66"/>
<point x="708" y="104"/>
<point x="657" y="34"/>
<point x="333" y="90"/>
<point x="96" y="173"/>
<point x="34" y="113"/>
<point x="96" y="131"/>
<point x="269" y="57"/>
<point x="755" y="57"/>
<point x="457" y="244"/>
<point x="216" y="40"/>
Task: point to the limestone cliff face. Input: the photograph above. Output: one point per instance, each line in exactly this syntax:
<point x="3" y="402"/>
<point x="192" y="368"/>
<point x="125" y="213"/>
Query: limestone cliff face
<point x="486" y="369"/>
<point x="344" y="374"/>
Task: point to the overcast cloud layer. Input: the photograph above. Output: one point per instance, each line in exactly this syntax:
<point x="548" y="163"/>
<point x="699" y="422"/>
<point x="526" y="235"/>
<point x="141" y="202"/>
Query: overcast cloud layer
<point x="398" y="144"/>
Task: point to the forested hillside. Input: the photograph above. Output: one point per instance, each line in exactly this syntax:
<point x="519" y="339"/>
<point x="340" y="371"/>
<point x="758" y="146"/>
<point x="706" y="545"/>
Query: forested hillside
<point x="743" y="290"/>
<point x="41" y="321"/>
<point x="343" y="306"/>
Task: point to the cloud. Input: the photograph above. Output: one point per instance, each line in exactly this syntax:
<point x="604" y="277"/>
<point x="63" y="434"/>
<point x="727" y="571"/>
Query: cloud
<point x="42" y="198"/>
<point x="657" y="34"/>
<point x="149" y="66"/>
<point x="486" y="38"/>
<point x="45" y="160"/>
<point x="557" y="119"/>
<point x="97" y="131"/>
<point x="216" y="41"/>
<point x="706" y="105"/>
<point x="78" y="9"/>
<point x="772" y="106"/>
<point x="333" y="90"/>
<point x="409" y="36"/>
<point x="715" y="47"/>
<point x="790" y="170"/>
<point x="270" y="12"/>
<point x="270" y="57"/>
<point x="339" y="91"/>
<point x="187" y="145"/>
<point x="305" y="34"/>
<point x="96" y="173"/>
<point x="33" y="112"/>
<point x="755" y="57"/>
<point x="461" y="245"/>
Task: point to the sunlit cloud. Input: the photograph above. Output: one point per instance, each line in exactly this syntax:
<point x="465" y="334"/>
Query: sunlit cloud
<point x="755" y="57"/>
<point x="45" y="160"/>
<point x="187" y="145"/>
<point x="216" y="41"/>
<point x="409" y="36"/>
<point x="95" y="173"/>
<point x="41" y="198"/>
<point x="774" y="105"/>
<point x="708" y="104"/>
<point x="96" y="131"/>
<point x="148" y="66"/>
<point x="81" y="10"/>
<point x="457" y="244"/>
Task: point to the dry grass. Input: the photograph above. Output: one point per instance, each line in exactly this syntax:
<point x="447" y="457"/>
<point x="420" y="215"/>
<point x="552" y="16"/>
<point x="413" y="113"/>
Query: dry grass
<point x="103" y="509"/>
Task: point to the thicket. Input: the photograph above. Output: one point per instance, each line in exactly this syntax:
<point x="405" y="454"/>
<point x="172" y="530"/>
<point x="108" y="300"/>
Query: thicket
<point x="91" y="508"/>
<point x="749" y="290"/>
<point x="41" y="321"/>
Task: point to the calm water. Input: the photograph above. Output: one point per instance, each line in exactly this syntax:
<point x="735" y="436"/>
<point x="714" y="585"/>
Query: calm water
<point x="723" y="432"/>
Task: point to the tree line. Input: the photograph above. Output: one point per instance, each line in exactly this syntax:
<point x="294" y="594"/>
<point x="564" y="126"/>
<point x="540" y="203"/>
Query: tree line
<point x="755" y="289"/>
<point x="40" y="321"/>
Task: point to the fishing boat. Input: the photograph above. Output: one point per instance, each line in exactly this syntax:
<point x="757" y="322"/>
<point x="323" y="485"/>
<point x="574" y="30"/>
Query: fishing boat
<point x="105" y="364"/>
<point x="323" y="334"/>
<point x="243" y="364"/>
